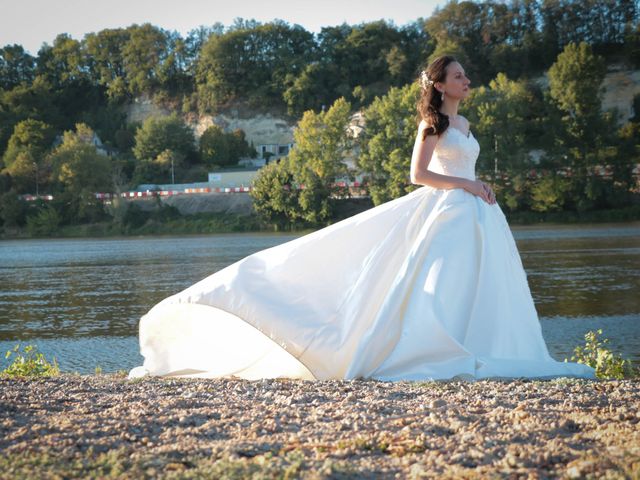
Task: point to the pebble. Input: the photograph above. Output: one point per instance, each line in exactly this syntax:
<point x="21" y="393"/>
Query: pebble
<point x="454" y="429"/>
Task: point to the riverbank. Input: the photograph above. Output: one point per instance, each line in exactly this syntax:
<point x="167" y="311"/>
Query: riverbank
<point x="105" y="425"/>
<point x="627" y="214"/>
<point x="225" y="222"/>
<point x="201" y="223"/>
<point x="168" y="221"/>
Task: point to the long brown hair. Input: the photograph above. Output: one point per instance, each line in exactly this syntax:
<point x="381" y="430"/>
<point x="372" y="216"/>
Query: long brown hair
<point x="431" y="99"/>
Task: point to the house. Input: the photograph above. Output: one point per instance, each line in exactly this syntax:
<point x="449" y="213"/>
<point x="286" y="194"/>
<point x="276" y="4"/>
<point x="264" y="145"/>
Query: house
<point x="94" y="140"/>
<point x="269" y="151"/>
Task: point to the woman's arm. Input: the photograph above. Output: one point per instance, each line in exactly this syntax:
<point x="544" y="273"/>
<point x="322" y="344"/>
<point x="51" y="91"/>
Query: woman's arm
<point x="422" y="153"/>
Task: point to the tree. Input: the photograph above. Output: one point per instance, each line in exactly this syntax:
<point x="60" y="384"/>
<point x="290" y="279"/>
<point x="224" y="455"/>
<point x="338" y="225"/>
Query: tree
<point x="63" y="62"/>
<point x="299" y="187"/>
<point x="13" y="210"/>
<point x="575" y="81"/>
<point x="359" y="63"/>
<point x="239" y="147"/>
<point x="501" y="120"/>
<point x="33" y="136"/>
<point x="23" y="172"/>
<point x="250" y="62"/>
<point x="25" y="157"/>
<point x="387" y="143"/>
<point x="322" y="141"/>
<point x="471" y="30"/>
<point x="143" y="57"/>
<point x="214" y="148"/>
<point x="62" y="66"/>
<point x="220" y="148"/>
<point x="104" y="55"/>
<point x="274" y="197"/>
<point x="575" y="85"/>
<point x="627" y="155"/>
<point x="16" y="67"/>
<point x="547" y="193"/>
<point x="158" y="134"/>
<point x="35" y="101"/>
<point x="77" y="165"/>
<point x="312" y="89"/>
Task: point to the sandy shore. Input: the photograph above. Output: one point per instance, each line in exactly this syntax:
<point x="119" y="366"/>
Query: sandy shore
<point x="105" y="425"/>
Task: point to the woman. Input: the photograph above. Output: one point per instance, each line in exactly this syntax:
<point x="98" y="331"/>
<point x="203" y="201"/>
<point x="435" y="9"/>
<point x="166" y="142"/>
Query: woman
<point x="428" y="286"/>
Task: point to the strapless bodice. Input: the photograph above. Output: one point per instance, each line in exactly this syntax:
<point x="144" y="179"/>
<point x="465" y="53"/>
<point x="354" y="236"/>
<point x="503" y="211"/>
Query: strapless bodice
<point x="455" y="154"/>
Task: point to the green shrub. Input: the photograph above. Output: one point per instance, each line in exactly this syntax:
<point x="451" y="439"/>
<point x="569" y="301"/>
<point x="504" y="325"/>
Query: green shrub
<point x="134" y="216"/>
<point x="606" y="364"/>
<point x="43" y="223"/>
<point x="13" y="210"/>
<point x="165" y="213"/>
<point x="30" y="364"/>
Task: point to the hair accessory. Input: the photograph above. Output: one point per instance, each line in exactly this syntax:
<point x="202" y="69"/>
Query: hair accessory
<point x="425" y="81"/>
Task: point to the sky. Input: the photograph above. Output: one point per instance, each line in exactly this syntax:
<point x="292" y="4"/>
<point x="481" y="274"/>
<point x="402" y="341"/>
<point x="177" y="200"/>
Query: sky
<point x="31" y="23"/>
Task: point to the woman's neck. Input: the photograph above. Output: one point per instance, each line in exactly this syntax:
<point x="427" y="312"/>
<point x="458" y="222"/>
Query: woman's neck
<point x="450" y="108"/>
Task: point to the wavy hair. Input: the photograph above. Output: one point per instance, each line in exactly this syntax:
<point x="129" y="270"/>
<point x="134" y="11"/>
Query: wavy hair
<point x="431" y="99"/>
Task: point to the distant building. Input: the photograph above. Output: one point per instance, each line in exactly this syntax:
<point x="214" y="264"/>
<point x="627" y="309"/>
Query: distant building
<point x="271" y="151"/>
<point x="101" y="148"/>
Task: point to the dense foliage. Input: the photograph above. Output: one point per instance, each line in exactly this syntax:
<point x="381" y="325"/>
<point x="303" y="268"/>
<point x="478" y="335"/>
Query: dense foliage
<point x="56" y="104"/>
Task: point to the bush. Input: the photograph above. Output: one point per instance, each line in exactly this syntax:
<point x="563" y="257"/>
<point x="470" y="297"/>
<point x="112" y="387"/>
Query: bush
<point x="30" y="364"/>
<point x="135" y="217"/>
<point x="164" y="213"/>
<point x="604" y="361"/>
<point x="43" y="223"/>
<point x="13" y="210"/>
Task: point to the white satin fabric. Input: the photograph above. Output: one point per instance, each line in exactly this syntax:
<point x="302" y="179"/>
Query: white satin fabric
<point x="427" y="286"/>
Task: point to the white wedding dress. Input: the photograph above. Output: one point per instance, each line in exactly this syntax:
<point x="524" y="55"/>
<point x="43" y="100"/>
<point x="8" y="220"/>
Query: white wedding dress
<point x="428" y="286"/>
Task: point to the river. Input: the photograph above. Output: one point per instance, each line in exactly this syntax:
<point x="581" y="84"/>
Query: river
<point x="80" y="300"/>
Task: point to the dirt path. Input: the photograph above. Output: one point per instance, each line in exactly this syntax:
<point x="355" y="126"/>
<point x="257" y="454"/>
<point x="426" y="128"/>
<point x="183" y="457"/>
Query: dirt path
<point x="105" y="425"/>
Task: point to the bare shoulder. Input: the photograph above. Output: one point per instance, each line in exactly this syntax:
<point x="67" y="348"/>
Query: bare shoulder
<point x="421" y="133"/>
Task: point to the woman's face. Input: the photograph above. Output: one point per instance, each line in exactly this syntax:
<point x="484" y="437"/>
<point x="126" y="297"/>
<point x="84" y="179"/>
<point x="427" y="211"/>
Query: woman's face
<point x="456" y="83"/>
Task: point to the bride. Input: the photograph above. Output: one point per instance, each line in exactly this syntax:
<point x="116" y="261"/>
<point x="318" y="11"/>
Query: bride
<point x="428" y="286"/>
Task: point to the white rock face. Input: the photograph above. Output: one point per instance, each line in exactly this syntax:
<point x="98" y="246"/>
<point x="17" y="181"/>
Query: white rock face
<point x="619" y="86"/>
<point x="261" y="129"/>
<point x="143" y="108"/>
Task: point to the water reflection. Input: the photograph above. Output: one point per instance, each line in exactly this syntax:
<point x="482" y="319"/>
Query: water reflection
<point x="67" y="288"/>
<point x="74" y="296"/>
<point x="587" y="276"/>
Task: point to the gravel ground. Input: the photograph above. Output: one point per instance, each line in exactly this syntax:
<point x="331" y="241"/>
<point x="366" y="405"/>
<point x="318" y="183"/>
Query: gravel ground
<point x="98" y="426"/>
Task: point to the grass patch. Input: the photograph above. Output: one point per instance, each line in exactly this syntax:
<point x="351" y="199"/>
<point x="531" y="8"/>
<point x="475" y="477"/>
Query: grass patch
<point x="118" y="463"/>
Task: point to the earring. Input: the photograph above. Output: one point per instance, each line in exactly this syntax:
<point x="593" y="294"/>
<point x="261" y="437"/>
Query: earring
<point x="443" y="95"/>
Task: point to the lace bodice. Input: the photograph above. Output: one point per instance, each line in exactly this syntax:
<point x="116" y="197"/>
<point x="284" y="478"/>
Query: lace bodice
<point x="455" y="154"/>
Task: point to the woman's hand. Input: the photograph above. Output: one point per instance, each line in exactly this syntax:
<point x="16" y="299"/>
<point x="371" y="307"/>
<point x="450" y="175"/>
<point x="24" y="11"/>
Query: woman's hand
<point x="482" y="190"/>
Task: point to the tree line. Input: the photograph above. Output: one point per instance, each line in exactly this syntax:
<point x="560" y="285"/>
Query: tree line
<point x="586" y="161"/>
<point x="53" y="102"/>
